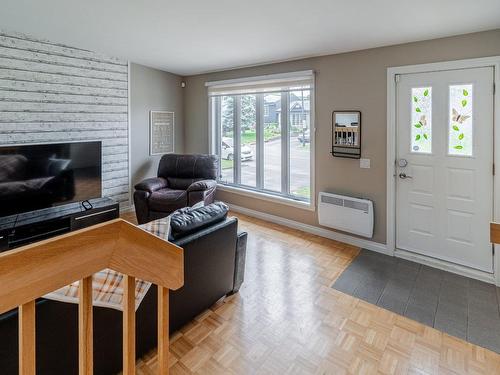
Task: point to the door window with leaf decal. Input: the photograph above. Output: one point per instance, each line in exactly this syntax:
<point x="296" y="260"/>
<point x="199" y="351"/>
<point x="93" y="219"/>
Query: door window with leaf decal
<point x="421" y="119"/>
<point x="460" y="121"/>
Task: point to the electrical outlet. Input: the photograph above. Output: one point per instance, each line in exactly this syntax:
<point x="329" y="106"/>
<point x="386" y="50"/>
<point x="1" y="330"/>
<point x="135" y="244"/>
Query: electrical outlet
<point x="364" y="163"/>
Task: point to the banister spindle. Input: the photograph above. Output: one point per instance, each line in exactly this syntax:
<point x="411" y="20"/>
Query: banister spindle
<point x="85" y="329"/>
<point x="129" y="325"/>
<point x="163" y="330"/>
<point x="27" y="363"/>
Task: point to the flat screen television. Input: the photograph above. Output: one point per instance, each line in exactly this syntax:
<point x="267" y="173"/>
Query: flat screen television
<point x="39" y="176"/>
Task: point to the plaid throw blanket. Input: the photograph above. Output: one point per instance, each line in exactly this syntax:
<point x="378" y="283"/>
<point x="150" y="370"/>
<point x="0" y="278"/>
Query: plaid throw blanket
<point x="107" y="284"/>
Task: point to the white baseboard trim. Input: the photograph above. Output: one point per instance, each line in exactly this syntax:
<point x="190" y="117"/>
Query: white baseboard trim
<point x="446" y="266"/>
<point x="359" y="242"/>
<point x="322" y="232"/>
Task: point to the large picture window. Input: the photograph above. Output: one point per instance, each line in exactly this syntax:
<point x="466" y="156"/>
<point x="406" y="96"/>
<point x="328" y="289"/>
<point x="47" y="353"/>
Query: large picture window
<point x="263" y="132"/>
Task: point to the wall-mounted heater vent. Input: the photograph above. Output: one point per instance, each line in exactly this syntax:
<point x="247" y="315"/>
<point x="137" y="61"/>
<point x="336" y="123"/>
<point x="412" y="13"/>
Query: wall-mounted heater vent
<point x="345" y="213"/>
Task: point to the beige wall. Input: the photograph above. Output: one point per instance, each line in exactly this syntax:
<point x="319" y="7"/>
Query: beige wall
<point x="151" y="89"/>
<point x="355" y="81"/>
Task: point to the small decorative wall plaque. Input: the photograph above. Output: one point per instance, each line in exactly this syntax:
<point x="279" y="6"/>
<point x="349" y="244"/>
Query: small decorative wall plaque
<point x="161" y="133"/>
<point x="346" y="134"/>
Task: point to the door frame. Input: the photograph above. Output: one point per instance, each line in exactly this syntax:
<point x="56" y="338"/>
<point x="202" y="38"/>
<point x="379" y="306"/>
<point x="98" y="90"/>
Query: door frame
<point x="392" y="73"/>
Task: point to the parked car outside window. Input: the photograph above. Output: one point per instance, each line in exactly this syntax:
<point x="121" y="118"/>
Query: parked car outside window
<point x="228" y="150"/>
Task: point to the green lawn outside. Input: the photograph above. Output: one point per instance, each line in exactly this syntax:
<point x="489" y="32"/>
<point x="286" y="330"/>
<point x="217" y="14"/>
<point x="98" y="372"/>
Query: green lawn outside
<point x="304" y="191"/>
<point x="226" y="164"/>
<point x="250" y="137"/>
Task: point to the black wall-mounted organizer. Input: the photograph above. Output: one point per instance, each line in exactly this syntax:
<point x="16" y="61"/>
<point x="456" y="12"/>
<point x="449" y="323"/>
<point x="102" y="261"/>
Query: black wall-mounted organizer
<point x="346" y="134"/>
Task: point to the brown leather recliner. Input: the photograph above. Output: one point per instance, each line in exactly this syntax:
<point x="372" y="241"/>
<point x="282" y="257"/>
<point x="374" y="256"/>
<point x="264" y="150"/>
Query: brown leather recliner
<point x="183" y="180"/>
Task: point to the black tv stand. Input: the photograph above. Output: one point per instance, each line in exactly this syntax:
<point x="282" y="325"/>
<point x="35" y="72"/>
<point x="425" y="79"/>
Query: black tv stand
<point x="29" y="227"/>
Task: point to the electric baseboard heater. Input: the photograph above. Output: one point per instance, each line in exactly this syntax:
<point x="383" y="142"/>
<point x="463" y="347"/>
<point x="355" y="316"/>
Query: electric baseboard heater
<point x="348" y="214"/>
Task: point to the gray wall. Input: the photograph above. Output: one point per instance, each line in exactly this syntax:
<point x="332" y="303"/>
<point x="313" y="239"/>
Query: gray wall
<point x="151" y="89"/>
<point x="55" y="93"/>
<point x="354" y="81"/>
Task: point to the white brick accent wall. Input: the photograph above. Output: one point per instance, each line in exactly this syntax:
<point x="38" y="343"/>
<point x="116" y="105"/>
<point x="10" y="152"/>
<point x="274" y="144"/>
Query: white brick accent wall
<point x="55" y="93"/>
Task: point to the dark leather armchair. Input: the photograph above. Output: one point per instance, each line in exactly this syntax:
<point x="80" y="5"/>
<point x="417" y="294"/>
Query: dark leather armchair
<point x="183" y="180"/>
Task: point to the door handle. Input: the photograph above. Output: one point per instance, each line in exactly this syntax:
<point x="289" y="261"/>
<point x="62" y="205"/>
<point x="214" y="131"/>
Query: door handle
<point x="403" y="176"/>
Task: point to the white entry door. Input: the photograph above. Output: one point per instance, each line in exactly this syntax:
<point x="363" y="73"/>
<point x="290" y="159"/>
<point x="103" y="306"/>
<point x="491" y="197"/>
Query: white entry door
<point x="444" y="168"/>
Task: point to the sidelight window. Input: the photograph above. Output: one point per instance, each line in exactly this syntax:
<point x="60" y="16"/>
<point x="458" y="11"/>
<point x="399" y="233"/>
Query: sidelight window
<point x="421" y="120"/>
<point x="460" y="120"/>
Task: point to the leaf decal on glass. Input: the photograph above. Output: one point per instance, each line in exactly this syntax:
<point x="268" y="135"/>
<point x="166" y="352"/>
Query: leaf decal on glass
<point x="460" y="121"/>
<point x="421" y="119"/>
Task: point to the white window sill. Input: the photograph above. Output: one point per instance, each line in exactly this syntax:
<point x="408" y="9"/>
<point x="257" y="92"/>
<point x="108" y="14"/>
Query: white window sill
<point x="309" y="206"/>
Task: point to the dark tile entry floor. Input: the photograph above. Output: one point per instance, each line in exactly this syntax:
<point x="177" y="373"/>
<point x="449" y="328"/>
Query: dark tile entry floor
<point x="454" y="304"/>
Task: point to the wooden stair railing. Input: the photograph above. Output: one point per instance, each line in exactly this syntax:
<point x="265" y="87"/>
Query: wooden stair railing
<point x="495" y="233"/>
<point x="34" y="270"/>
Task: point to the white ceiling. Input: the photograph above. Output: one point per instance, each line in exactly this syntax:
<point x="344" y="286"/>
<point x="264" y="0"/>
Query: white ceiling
<point x="193" y="36"/>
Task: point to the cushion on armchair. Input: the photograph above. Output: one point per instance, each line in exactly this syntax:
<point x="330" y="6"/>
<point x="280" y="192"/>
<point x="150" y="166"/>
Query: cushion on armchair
<point x="152" y="184"/>
<point x="168" y="200"/>
<point x="189" y="220"/>
<point x="183" y="170"/>
<point x="202" y="185"/>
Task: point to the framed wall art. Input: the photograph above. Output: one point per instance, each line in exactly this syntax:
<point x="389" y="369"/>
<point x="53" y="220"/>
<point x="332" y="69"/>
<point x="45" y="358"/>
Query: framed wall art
<point x="161" y="132"/>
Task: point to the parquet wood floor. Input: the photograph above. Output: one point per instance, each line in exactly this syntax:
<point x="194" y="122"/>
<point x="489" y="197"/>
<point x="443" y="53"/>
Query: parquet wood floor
<point x="286" y="319"/>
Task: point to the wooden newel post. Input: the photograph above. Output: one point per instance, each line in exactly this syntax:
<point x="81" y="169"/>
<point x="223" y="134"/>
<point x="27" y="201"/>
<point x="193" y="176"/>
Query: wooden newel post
<point x="163" y="331"/>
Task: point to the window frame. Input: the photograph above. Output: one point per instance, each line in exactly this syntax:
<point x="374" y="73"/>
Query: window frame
<point x="259" y="191"/>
